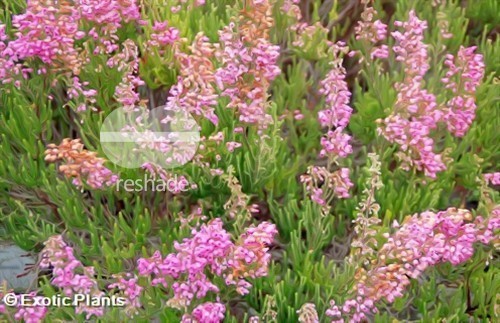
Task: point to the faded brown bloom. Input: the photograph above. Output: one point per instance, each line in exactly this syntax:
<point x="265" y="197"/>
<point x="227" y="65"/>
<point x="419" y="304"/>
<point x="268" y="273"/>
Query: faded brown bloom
<point x="79" y="163"/>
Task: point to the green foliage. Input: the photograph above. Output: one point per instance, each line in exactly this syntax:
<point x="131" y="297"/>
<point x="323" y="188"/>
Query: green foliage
<point x="111" y="228"/>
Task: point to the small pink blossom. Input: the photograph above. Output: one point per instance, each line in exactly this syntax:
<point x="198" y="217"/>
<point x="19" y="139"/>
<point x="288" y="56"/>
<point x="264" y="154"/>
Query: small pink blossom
<point x="336" y="143"/>
<point x="492" y="178"/>
<point x="206" y="313"/>
<point x="232" y="145"/>
<point x="210" y="252"/>
<point x="467" y="69"/>
<point x="58" y="255"/>
<point x="422" y="241"/>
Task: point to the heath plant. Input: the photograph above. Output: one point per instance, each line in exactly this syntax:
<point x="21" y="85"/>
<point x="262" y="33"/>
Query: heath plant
<point x="343" y="161"/>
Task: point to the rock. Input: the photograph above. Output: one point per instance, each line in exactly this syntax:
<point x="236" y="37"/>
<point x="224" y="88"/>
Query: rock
<point x="13" y="262"/>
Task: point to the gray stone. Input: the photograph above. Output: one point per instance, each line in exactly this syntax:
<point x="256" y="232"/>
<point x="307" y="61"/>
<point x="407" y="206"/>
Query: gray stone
<point x="13" y="261"/>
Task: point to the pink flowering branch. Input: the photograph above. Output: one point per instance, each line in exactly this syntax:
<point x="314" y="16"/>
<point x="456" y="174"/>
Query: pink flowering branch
<point x="492" y="178"/>
<point x="372" y="32"/>
<point x="127" y="61"/>
<point x="248" y="63"/>
<point x="320" y="182"/>
<point x="416" y="112"/>
<point x="464" y="76"/>
<point x="209" y="253"/>
<point x="80" y="164"/>
<point x="128" y="286"/>
<point x="70" y="275"/>
<point x="207" y="312"/>
<point x="195" y="88"/>
<point x="422" y="241"/>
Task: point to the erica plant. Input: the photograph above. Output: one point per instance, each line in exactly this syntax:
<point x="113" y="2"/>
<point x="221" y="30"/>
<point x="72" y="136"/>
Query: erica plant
<point x="249" y="161"/>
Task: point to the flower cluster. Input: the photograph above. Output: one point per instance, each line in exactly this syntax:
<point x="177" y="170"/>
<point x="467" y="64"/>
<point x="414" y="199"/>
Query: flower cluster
<point x="338" y="112"/>
<point x="175" y="184"/>
<point x="324" y="185"/>
<point x="291" y="8"/>
<point x="127" y="285"/>
<point x="70" y="274"/>
<point x="31" y="314"/>
<point x="210" y="252"/>
<point x="372" y="31"/>
<point x="366" y="222"/>
<point x="337" y="95"/>
<point x="77" y="90"/>
<point x="162" y="35"/>
<point x="249" y="256"/>
<point x="493" y="178"/>
<point x="463" y="77"/>
<point x="47" y="30"/>
<point x="336" y="143"/>
<point x="415" y="112"/>
<point x="248" y="63"/>
<point x="80" y="164"/>
<point x="206" y="313"/>
<point x="420" y="242"/>
<point x="489" y="228"/>
<point x="194" y="91"/>
<point x="320" y="182"/>
<point x="308" y="313"/>
<point x="106" y="17"/>
<point x="109" y="13"/>
<point x="127" y="61"/>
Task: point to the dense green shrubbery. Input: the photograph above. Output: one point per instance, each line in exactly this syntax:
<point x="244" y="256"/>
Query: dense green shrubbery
<point x="264" y="180"/>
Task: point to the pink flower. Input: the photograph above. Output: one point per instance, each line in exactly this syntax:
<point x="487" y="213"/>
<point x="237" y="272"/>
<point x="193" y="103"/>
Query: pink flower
<point x="58" y="255"/>
<point x="334" y="88"/>
<point x="422" y="241"/>
<point x="410" y="48"/>
<point x="43" y="31"/>
<point x="248" y="63"/>
<point x="163" y="35"/>
<point x="317" y="196"/>
<point x="342" y="183"/>
<point x="380" y="52"/>
<point x="35" y="314"/>
<point x="489" y="228"/>
<point x="127" y="284"/>
<point x="336" y="143"/>
<point x="337" y="113"/>
<point x="110" y="12"/>
<point x="206" y="313"/>
<point x="416" y="111"/>
<point x="210" y="252"/>
<point x="127" y="61"/>
<point x="372" y="32"/>
<point x="493" y="178"/>
<point x="80" y="164"/>
<point x="291" y="8"/>
<point x="194" y="90"/>
<point x="467" y="70"/>
<point x="232" y="145"/>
